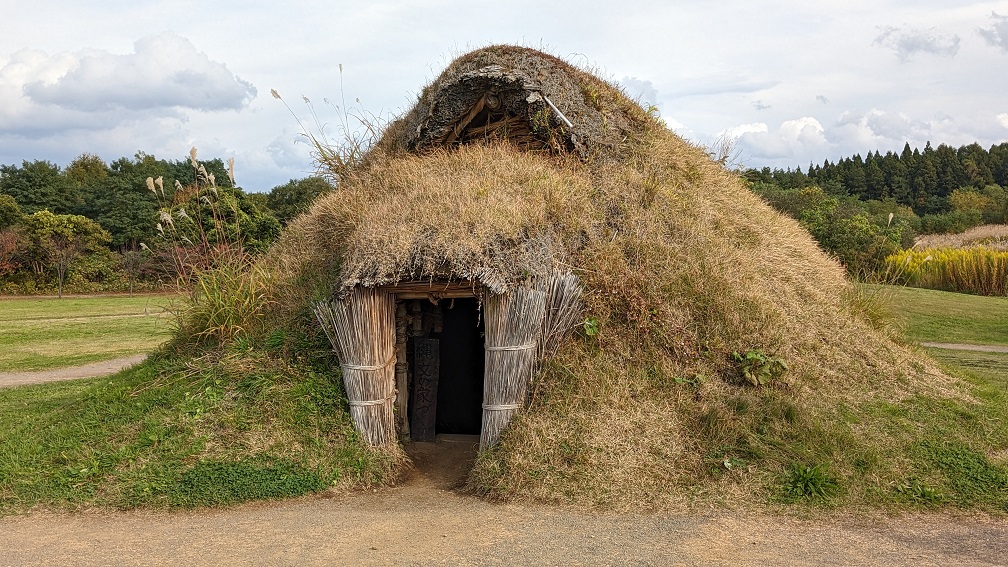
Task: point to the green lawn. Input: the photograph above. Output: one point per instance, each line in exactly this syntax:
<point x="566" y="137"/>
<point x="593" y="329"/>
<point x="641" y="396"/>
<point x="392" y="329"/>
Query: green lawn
<point x="928" y="315"/>
<point x="44" y="333"/>
<point x="178" y="430"/>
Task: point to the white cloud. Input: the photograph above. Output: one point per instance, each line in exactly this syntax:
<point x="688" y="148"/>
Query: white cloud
<point x="760" y="105"/>
<point x="910" y="41"/>
<point x="997" y="34"/>
<point x="164" y="71"/>
<point x="737" y="132"/>
<point x="794" y="140"/>
<point x="1002" y="119"/>
<point x="641" y="90"/>
<point x="877" y="124"/>
<point x="706" y="85"/>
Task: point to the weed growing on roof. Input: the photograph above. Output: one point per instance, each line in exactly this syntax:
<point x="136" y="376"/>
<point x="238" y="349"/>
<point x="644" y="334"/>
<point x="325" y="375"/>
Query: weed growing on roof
<point x="759" y="368"/>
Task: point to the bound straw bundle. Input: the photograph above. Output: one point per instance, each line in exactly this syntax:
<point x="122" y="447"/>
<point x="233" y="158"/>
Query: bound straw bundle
<point x="513" y="325"/>
<point x="563" y="306"/>
<point x="361" y="329"/>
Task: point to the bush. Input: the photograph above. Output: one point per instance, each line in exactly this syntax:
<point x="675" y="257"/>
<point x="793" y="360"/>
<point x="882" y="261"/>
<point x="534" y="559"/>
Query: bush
<point x="954" y="221"/>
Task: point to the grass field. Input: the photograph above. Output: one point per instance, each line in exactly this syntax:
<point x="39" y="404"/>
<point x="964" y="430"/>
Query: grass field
<point x="928" y="315"/>
<point x="44" y="333"/>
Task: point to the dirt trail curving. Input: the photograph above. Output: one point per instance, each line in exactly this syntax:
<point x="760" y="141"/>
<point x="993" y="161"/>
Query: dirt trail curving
<point x="101" y="368"/>
<point x="425" y="522"/>
<point x="962" y="346"/>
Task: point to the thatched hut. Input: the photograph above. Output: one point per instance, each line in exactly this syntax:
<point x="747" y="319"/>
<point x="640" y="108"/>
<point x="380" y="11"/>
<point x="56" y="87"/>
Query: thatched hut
<point x="388" y="325"/>
<point x="522" y="195"/>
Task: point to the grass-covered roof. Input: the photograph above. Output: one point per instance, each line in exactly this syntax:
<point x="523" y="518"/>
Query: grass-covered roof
<point x="682" y="266"/>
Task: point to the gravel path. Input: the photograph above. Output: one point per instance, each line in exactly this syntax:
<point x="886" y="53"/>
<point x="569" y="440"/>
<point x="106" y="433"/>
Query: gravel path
<point x="102" y="368"/>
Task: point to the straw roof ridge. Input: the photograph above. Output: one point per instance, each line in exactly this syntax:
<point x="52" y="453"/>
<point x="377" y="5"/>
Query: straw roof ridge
<point x="526" y="81"/>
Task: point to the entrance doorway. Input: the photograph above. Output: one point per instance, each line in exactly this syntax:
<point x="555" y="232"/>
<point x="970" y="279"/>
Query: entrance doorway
<point x="460" y="387"/>
<point x="446" y="369"/>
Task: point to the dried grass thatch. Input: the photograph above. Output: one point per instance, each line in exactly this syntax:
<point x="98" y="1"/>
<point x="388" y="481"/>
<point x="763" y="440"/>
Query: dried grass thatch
<point x="681" y="266"/>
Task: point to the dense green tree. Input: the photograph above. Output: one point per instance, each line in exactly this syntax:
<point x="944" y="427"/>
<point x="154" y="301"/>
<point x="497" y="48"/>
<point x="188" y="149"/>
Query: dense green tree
<point x="124" y="205"/>
<point x="292" y="198"/>
<point x="10" y="212"/>
<point x="875" y="182"/>
<point x="998" y="163"/>
<point x="924" y="184"/>
<point x="57" y="241"/>
<point x="87" y="175"/>
<point x="950" y="171"/>
<point x="38" y="185"/>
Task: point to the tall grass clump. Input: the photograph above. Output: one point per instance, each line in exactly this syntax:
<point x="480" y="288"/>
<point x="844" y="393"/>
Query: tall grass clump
<point x="978" y="270"/>
<point x="225" y="289"/>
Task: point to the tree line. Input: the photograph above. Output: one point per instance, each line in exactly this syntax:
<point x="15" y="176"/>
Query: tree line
<point x="95" y="226"/>
<point x="864" y="209"/>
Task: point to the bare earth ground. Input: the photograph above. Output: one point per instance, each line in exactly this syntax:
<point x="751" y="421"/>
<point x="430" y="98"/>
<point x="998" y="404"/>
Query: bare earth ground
<point x="102" y="368"/>
<point x="960" y="346"/>
<point x="426" y="521"/>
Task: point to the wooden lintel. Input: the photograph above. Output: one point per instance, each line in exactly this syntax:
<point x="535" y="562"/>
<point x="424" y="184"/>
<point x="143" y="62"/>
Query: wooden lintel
<point x="434" y="296"/>
<point x="432" y="290"/>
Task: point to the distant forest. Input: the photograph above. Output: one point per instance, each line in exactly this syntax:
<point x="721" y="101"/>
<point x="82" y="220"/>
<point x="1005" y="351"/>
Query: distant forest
<point x="862" y="209"/>
<point x="922" y="180"/>
<point x="97" y="226"/>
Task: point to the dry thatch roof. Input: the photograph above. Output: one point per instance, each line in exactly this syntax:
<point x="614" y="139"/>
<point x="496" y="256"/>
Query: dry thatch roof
<point x="541" y="100"/>
<point x="682" y="266"/>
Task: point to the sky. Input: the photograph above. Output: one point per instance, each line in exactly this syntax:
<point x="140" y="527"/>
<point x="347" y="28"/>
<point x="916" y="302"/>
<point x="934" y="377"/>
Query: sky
<point x="785" y="82"/>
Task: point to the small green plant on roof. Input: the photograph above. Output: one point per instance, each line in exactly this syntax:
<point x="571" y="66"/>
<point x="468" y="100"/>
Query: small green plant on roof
<point x="694" y="381"/>
<point x="805" y="482"/>
<point x="759" y="368"/>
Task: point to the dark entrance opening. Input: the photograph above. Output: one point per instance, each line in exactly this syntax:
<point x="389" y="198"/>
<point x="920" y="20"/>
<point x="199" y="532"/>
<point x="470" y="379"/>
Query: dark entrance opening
<point x="460" y="385"/>
<point x="446" y="362"/>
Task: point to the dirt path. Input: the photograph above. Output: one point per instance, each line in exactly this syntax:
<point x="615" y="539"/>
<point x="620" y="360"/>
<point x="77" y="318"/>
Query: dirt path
<point x="961" y="346"/>
<point x="101" y="368"/>
<point x="425" y="522"/>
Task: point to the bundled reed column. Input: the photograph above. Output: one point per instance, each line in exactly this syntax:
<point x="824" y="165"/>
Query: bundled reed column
<point x="514" y="323"/>
<point x="361" y="328"/>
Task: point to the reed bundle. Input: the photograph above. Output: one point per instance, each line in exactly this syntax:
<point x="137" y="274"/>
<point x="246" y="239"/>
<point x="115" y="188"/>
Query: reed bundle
<point x="361" y="328"/>
<point x="514" y="322"/>
<point x="563" y="306"/>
